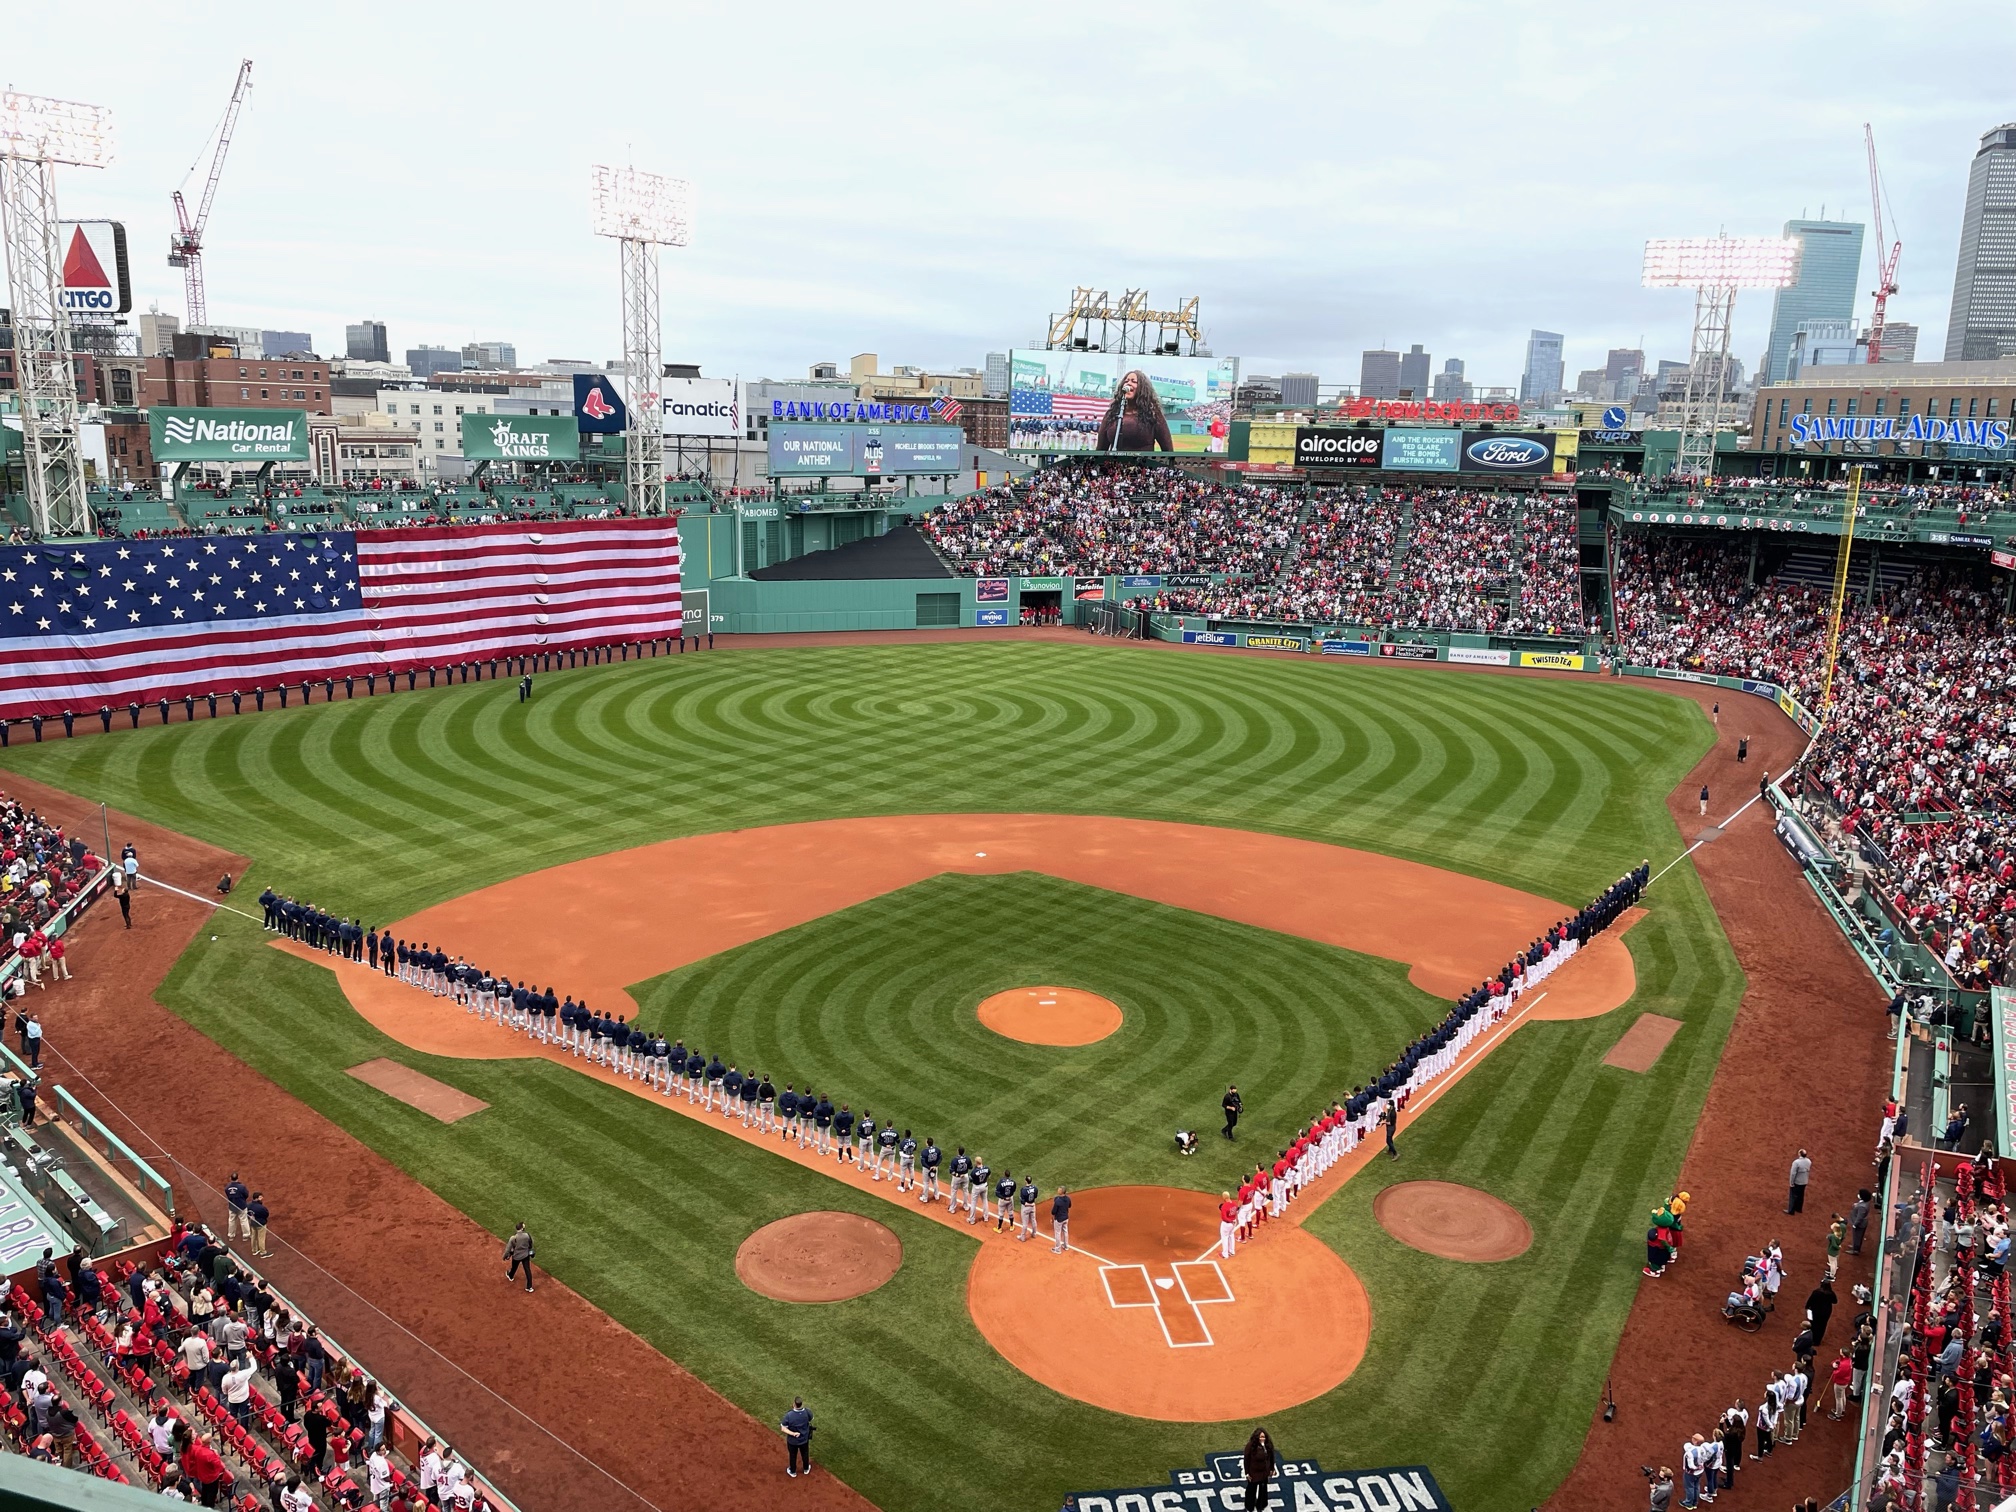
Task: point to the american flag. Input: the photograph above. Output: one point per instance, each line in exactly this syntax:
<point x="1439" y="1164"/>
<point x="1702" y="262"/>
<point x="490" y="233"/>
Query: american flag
<point x="103" y="623"/>
<point x="1031" y="401"/>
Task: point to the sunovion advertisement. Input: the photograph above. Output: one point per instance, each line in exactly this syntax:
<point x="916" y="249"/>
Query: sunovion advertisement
<point x="1219" y="1485"/>
<point x="228" y="435"/>
<point x="1507" y="452"/>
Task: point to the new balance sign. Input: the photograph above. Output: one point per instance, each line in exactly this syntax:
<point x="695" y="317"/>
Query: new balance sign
<point x="520" y="438"/>
<point x="228" y="435"/>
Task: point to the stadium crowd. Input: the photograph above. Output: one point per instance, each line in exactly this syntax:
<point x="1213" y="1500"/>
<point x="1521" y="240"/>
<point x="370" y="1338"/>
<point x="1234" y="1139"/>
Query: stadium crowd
<point x="193" y="1375"/>
<point x="1442" y="558"/>
<point x="1918" y="758"/>
<point x="41" y="871"/>
<point x="1095" y="520"/>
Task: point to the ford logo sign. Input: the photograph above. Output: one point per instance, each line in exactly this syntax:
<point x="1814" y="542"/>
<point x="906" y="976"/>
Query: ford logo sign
<point x="1505" y="451"/>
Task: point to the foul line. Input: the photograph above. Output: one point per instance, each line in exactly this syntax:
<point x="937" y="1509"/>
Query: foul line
<point x="198" y="898"/>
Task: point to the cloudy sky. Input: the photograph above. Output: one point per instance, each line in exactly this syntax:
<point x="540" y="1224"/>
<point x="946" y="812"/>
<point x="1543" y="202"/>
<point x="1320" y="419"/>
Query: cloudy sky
<point x="929" y="182"/>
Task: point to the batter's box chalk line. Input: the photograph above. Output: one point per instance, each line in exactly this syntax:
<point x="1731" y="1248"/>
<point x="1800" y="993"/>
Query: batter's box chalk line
<point x="1200" y="1284"/>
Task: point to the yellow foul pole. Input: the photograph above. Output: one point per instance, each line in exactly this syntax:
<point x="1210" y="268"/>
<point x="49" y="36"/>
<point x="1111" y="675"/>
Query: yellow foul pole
<point x="1840" y="587"/>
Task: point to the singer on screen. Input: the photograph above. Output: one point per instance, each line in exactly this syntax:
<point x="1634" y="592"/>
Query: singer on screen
<point x="1134" y="421"/>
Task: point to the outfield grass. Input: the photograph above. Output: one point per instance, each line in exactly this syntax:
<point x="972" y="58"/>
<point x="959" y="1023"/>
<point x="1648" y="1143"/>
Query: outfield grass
<point x="1488" y="1374"/>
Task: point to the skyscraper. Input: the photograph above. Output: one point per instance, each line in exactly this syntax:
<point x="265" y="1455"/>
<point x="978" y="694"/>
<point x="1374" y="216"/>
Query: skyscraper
<point x="1541" y="382"/>
<point x="426" y="361"/>
<point x="1983" y="321"/>
<point x="365" y="342"/>
<point x="1414" y="372"/>
<point x="1830" y="268"/>
<point x="1900" y="341"/>
<point x="1450" y="383"/>
<point x="1298" y="390"/>
<point x="1379" y="375"/>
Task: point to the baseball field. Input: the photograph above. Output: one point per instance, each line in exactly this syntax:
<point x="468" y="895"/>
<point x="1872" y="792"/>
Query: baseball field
<point x="445" y="802"/>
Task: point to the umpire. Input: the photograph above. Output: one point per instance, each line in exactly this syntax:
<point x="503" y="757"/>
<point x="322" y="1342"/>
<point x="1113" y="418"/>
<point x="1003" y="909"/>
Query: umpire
<point x="1232" y="1106"/>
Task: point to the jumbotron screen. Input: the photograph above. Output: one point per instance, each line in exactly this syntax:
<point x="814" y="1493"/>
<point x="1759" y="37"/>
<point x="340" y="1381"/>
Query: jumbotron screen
<point x="1064" y="401"/>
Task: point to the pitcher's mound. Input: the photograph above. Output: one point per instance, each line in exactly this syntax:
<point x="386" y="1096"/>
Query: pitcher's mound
<point x="1050" y="1015"/>
<point x="818" y="1257"/>
<point x="1455" y="1222"/>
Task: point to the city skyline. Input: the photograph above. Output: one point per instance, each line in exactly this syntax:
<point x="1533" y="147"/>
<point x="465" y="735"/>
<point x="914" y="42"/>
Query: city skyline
<point x="824" y="228"/>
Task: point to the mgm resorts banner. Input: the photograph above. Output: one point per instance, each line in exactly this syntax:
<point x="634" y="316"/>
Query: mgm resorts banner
<point x="1299" y="1486"/>
<point x="520" y="438"/>
<point x="228" y="435"/>
<point x="1510" y="453"/>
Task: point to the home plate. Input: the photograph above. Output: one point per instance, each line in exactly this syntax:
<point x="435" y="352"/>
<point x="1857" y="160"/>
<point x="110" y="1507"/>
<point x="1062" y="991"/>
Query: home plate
<point x="1165" y="1282"/>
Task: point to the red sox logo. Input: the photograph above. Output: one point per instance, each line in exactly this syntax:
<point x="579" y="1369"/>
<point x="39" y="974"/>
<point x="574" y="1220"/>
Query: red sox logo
<point x="595" y="407"/>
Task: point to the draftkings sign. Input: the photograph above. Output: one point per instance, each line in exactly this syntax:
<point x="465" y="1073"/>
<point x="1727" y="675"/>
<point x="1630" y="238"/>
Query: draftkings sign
<point x="1300" y="1486"/>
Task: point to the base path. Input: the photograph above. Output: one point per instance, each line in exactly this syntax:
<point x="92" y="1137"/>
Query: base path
<point x="1050" y="1015"/>
<point x="818" y="1257"/>
<point x="1140" y="1319"/>
<point x="597" y="925"/>
<point x="1455" y="1222"/>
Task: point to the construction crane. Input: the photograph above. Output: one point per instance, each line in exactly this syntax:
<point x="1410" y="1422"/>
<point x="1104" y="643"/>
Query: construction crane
<point x="185" y="242"/>
<point x="1886" y="264"/>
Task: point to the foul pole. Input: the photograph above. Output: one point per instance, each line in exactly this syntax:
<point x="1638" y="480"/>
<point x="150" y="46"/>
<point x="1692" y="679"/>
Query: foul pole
<point x="1840" y="587"/>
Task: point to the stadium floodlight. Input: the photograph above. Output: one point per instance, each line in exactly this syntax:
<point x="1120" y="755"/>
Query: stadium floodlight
<point x="37" y="129"/>
<point x="641" y="207"/>
<point x="1721" y="262"/>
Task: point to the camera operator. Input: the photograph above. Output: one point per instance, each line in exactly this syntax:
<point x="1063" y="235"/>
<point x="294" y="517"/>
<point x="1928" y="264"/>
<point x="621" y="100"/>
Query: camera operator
<point x="1661" y="1486"/>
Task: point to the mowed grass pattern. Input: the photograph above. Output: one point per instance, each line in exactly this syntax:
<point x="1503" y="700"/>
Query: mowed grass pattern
<point x="876" y="1004"/>
<point x="1487" y="1373"/>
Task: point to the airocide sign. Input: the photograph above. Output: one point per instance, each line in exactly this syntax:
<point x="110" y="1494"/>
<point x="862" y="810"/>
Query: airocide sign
<point x="520" y="438"/>
<point x="1319" y="448"/>
<point x="228" y="435"/>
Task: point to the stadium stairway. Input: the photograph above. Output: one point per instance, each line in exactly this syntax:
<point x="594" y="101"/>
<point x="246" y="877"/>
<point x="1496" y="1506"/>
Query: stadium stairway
<point x="1298" y="543"/>
<point x="1403" y="534"/>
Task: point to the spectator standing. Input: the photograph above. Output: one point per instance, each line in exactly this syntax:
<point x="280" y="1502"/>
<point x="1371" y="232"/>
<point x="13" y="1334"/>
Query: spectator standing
<point x="123" y="891"/>
<point x="1841" y="1375"/>
<point x="238" y="1392"/>
<point x="59" y="959"/>
<point x="797" y="1426"/>
<point x="1858" y="1220"/>
<point x="1802" y="1172"/>
<point x="33" y="1036"/>
<point x="1260" y="1462"/>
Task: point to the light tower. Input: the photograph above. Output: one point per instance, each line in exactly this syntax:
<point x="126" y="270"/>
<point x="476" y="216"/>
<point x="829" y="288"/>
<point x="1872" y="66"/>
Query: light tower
<point x="35" y="135"/>
<point x="1714" y="267"/>
<point x="642" y="212"/>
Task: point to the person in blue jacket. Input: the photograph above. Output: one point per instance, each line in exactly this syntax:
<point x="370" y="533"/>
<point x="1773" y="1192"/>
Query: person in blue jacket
<point x="797" y="1426"/>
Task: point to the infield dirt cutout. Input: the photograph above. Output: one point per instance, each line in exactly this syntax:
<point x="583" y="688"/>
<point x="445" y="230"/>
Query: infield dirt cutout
<point x="1050" y="1015"/>
<point x="818" y="1257"/>
<point x="1455" y="1222"/>
<point x="1136" y="1319"/>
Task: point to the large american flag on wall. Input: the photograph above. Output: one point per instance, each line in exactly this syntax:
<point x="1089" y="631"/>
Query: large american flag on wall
<point x="101" y="623"/>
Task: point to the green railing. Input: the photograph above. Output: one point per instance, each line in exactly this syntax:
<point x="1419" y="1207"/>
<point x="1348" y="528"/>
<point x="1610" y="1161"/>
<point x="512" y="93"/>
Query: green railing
<point x="146" y="1176"/>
